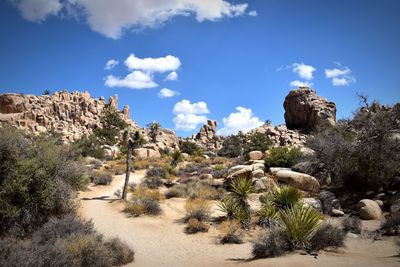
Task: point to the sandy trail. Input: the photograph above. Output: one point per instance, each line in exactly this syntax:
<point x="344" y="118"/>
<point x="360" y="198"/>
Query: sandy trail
<point x="160" y="241"/>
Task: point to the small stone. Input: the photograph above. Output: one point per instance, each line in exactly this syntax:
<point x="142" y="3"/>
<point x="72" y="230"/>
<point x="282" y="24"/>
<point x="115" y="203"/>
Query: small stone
<point x="337" y="213"/>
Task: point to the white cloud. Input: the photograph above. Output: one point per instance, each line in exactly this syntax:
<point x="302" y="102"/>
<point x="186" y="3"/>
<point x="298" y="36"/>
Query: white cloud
<point x="172" y="76"/>
<point x="340" y="76"/>
<point x="189" y="115"/>
<point x="111" y="64"/>
<point x="134" y="80"/>
<point x="149" y="64"/>
<point x="112" y="18"/>
<point x="142" y="71"/>
<point x="297" y="83"/>
<point x="253" y="13"/>
<point x="242" y="120"/>
<point x="38" y="10"/>
<point x="165" y="93"/>
<point x="303" y="70"/>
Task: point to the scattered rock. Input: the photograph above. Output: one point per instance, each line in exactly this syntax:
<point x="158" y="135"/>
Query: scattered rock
<point x="257" y="173"/>
<point x="299" y="180"/>
<point x="329" y="201"/>
<point x="369" y="210"/>
<point x="337" y="213"/>
<point x="313" y="202"/>
<point x="255" y="155"/>
<point x="145" y="153"/>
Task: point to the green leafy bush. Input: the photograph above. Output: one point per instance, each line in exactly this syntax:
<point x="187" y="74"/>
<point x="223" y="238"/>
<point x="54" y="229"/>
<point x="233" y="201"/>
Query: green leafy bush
<point x="282" y="157"/>
<point x="190" y="148"/>
<point x="257" y="141"/>
<point x="89" y="146"/>
<point x="38" y="179"/>
<point x="232" y="146"/>
<point x="282" y="197"/>
<point x="112" y="123"/>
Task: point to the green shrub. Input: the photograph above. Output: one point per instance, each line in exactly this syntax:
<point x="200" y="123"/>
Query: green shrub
<point x="176" y="191"/>
<point x="268" y="215"/>
<point x="282" y="157"/>
<point x="38" y="179"/>
<point x="153" y="182"/>
<point x="232" y="146"/>
<point x="327" y="235"/>
<point x="271" y="244"/>
<point x="229" y="206"/>
<point x="257" y="141"/>
<point x="89" y="146"/>
<point x="190" y="148"/>
<point x="112" y="123"/>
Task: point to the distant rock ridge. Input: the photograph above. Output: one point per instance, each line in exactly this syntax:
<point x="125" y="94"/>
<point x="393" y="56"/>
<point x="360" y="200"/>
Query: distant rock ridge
<point x="72" y="115"/>
<point x="305" y="110"/>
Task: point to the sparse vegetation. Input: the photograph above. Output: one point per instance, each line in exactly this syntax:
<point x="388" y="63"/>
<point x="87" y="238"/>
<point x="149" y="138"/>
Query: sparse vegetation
<point x="195" y="226"/>
<point x="283" y="197"/>
<point x="257" y="141"/>
<point x="112" y="124"/>
<point x="282" y="157"/>
<point x="352" y="225"/>
<point x="272" y="243"/>
<point x="327" y="235"/>
<point x="101" y="178"/>
<point x="197" y="209"/>
<point x="190" y="148"/>
<point x="231" y="232"/>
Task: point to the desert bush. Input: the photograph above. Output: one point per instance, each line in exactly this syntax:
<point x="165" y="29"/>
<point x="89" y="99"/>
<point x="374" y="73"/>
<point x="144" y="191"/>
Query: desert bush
<point x="390" y="227"/>
<point x="190" y="148"/>
<point x="231" y="232"/>
<point x="112" y="124"/>
<point x="151" y="207"/>
<point x="153" y="182"/>
<point x="220" y="172"/>
<point x="327" y="235"/>
<point x="257" y="141"/>
<point x="134" y="208"/>
<point x="361" y="153"/>
<point x="282" y="157"/>
<point x="89" y="146"/>
<point x="143" y="192"/>
<point x="144" y="201"/>
<point x="200" y="189"/>
<point x="176" y="191"/>
<point x="229" y="206"/>
<point x="102" y="178"/>
<point x="352" y="225"/>
<point x="141" y="164"/>
<point x="282" y="197"/>
<point x="195" y="226"/>
<point x="300" y="222"/>
<point x="67" y="241"/>
<point x="219" y="161"/>
<point x="38" y="178"/>
<point x="157" y="171"/>
<point x="232" y="146"/>
<point x="197" y="209"/>
<point x="272" y="243"/>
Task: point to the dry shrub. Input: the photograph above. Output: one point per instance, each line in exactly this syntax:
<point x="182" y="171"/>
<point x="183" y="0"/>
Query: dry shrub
<point x="352" y="225"/>
<point x="176" y="191"/>
<point x="271" y="244"/>
<point x="327" y="235"/>
<point x="197" y="209"/>
<point x="141" y="164"/>
<point x="231" y="232"/>
<point x="195" y="226"/>
<point x="219" y="161"/>
<point x="144" y="201"/>
<point x="102" y="178"/>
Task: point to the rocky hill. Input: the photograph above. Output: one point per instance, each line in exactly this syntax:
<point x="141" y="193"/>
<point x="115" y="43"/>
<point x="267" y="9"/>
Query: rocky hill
<point x="72" y="115"/>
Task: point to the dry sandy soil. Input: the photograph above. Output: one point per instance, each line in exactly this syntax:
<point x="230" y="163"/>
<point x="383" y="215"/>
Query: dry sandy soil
<point x="160" y="241"/>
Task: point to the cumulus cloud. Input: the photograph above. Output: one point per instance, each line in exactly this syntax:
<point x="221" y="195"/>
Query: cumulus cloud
<point x="172" y="76"/>
<point x="341" y="76"/>
<point x="303" y="70"/>
<point x="142" y="71"/>
<point x="253" y="13"/>
<point x="189" y="115"/>
<point x="111" y="64"/>
<point x="297" y="83"/>
<point x="112" y="18"/>
<point x="242" y="120"/>
<point x="38" y="10"/>
<point x="134" y="80"/>
<point x="149" y="64"/>
<point x="165" y="93"/>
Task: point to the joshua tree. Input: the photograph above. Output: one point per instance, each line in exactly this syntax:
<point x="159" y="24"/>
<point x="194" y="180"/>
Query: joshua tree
<point x="132" y="143"/>
<point x="154" y="128"/>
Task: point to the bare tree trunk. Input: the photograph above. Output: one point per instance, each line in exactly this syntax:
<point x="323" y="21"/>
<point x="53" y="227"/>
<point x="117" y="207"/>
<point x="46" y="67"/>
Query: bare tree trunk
<point x="128" y="169"/>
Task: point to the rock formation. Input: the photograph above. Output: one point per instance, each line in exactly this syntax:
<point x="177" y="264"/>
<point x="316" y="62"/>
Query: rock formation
<point x="280" y="135"/>
<point x="207" y="137"/>
<point x="305" y="110"/>
<point x="72" y="115"/>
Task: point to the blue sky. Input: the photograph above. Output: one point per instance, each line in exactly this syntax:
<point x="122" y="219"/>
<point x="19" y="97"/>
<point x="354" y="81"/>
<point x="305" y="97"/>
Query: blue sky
<point x="235" y="61"/>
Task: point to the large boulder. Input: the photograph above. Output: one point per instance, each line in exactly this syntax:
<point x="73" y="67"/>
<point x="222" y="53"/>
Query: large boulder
<point x="369" y="210"/>
<point x="255" y="155"/>
<point x="146" y="153"/>
<point x="313" y="202"/>
<point x="301" y="181"/>
<point x="305" y="110"/>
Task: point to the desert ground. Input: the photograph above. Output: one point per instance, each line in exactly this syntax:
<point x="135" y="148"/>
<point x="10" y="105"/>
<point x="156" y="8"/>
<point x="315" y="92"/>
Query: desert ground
<point x="160" y="240"/>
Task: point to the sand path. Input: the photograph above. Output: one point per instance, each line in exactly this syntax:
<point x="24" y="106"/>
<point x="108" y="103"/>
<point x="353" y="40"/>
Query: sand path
<point x="160" y="241"/>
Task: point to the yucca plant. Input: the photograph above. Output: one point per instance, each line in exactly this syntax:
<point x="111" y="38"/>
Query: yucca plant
<point x="240" y="189"/>
<point x="283" y="197"/>
<point x="300" y="223"/>
<point x="268" y="215"/>
<point x="229" y="206"/>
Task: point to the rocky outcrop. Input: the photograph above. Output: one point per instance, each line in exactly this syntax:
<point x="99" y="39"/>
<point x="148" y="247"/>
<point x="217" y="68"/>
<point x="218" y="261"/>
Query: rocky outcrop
<point x="298" y="180"/>
<point x="72" y="115"/>
<point x="255" y="155"/>
<point x="207" y="137"/>
<point x="307" y="111"/>
<point x="280" y="135"/>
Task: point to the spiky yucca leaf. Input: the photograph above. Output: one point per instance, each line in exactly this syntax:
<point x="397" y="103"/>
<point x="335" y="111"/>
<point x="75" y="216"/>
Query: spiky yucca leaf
<point x="300" y="223"/>
<point x="229" y="206"/>
<point x="283" y="197"/>
<point x="268" y="215"/>
<point x="241" y="188"/>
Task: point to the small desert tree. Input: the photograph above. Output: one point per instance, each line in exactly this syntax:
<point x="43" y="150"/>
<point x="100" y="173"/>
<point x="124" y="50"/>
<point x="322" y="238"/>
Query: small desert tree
<point x="154" y="128"/>
<point x="112" y="123"/>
